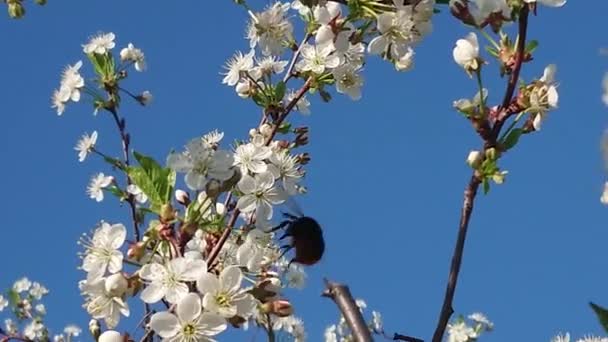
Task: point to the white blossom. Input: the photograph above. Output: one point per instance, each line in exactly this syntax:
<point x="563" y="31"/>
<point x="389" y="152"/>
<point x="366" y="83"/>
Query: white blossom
<point x="561" y="338"/>
<point x="317" y="58"/>
<point x="291" y="325"/>
<point x="100" y="44"/>
<point x="270" y="29"/>
<point x="201" y="164"/>
<point x="190" y="324"/>
<point x="236" y="66"/>
<point x="134" y="55"/>
<point x="223" y="295"/>
<point x="302" y="106"/>
<point x="69" y="87"/>
<point x="11" y="326"/>
<point x="102" y="250"/>
<point x="196" y="246"/>
<point x="259" y="194"/>
<point x="34" y="330"/>
<point x="212" y="139"/>
<point x="97" y="184"/>
<point x="72" y="330"/>
<point x="284" y="166"/>
<point x="604" y="197"/>
<point x="22" y="285"/>
<point x="267" y="66"/>
<point x="466" y="52"/>
<point x="377" y="322"/>
<point x="348" y="80"/>
<point x="110" y="336"/>
<point x="480" y="318"/>
<point x="3" y="303"/>
<point x="38" y="290"/>
<point x="40" y="308"/>
<point x="551" y="3"/>
<point x="461" y="332"/>
<point x="104" y="299"/>
<point x="250" y="158"/>
<point x="544" y="96"/>
<point x="85" y="145"/>
<point x="168" y="281"/>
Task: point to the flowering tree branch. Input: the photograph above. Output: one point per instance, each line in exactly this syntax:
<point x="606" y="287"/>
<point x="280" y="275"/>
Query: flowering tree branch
<point x="490" y="141"/>
<point x="341" y="295"/>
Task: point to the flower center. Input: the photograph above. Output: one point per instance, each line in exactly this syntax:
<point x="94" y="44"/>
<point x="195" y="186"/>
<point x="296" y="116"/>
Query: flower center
<point x="222" y="299"/>
<point x="189" y="330"/>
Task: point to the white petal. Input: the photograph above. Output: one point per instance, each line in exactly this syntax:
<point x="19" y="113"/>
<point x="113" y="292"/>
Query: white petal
<point x="246" y="203"/>
<point x="385" y="21"/>
<point x="189" y="307"/>
<point x="377" y="45"/>
<point x="247" y="184"/>
<point x="212" y="323"/>
<point x="176" y="293"/>
<point x="231" y="278"/>
<point x="153" y="293"/>
<point x="164" y="324"/>
<point x="194" y="270"/>
<point x="195" y="181"/>
<point x="207" y="283"/>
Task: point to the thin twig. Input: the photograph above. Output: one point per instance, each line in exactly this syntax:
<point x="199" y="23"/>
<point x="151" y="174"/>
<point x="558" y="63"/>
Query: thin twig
<point x="399" y="337"/>
<point x="514" y="78"/>
<point x="296" y="54"/>
<point x="471" y="190"/>
<point x="465" y="216"/>
<point x="126" y="139"/>
<point x="341" y="295"/>
<point x="235" y="214"/>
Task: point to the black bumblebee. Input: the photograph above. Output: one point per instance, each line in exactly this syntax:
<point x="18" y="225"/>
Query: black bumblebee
<point x="306" y="238"/>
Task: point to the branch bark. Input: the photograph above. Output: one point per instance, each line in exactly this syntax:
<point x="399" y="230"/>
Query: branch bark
<point x="465" y="216"/>
<point x="341" y="295"/>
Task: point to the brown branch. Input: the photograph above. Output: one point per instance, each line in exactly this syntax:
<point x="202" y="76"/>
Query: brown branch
<point x="341" y="295"/>
<point x="399" y="337"/>
<point x="465" y="216"/>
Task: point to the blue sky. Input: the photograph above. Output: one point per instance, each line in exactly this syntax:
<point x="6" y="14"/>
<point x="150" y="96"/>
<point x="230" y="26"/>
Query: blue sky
<point x="386" y="178"/>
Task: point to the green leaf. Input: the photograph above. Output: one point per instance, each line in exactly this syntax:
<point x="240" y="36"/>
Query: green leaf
<point x="259" y="99"/>
<point x="486" y="186"/>
<point x="114" y="162"/>
<point x="531" y="46"/>
<point x="512" y="138"/>
<point x="116" y="191"/>
<point x="155" y="181"/>
<point x="492" y="51"/>
<point x="279" y="91"/>
<point x="602" y="315"/>
<point x="284" y="128"/>
<point x="96" y="65"/>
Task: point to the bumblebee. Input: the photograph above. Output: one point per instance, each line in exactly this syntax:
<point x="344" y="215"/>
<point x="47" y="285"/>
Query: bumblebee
<point x="306" y="239"/>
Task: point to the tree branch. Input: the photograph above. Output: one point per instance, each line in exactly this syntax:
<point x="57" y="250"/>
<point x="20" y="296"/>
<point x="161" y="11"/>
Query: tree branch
<point x="465" y="216"/>
<point x="341" y="295"/>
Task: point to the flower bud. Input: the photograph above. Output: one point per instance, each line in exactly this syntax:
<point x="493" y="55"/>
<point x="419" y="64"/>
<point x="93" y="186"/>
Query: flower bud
<point x="136" y="250"/>
<point x="253" y="132"/>
<point x="474" y="159"/>
<point x="182" y="197"/>
<point x="116" y="285"/>
<point x="167" y="213"/>
<point x="145" y="98"/>
<point x="15" y="9"/>
<point x="111" y="336"/>
<point x="282" y="308"/>
<point x="492" y="154"/>
<point x="94" y="329"/>
<point x="266" y="130"/>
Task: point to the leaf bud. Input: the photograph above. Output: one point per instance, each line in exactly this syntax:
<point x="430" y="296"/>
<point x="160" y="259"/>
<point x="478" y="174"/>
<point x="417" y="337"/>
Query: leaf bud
<point x="16" y="9"/>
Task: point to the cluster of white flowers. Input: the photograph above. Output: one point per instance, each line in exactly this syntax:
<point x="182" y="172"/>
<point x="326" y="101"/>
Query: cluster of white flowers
<point x="461" y="331"/>
<point x="484" y="12"/>
<point x="24" y="299"/>
<point x="589" y="338"/>
<point x="341" y="332"/>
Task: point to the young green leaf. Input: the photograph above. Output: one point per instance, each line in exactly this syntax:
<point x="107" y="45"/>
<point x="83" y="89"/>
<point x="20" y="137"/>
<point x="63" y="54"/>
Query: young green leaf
<point x="602" y="315"/>
<point x="512" y="138"/>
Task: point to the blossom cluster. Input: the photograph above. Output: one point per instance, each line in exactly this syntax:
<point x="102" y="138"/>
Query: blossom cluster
<point x="24" y="300"/>
<point x="461" y="331"/>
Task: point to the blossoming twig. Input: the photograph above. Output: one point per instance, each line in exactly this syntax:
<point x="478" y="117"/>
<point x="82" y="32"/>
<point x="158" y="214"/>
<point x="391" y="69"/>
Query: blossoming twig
<point x="341" y="295"/>
<point x="475" y="181"/>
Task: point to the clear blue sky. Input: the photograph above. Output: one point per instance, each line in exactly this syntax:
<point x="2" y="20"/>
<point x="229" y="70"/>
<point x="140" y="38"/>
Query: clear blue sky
<point x="386" y="178"/>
